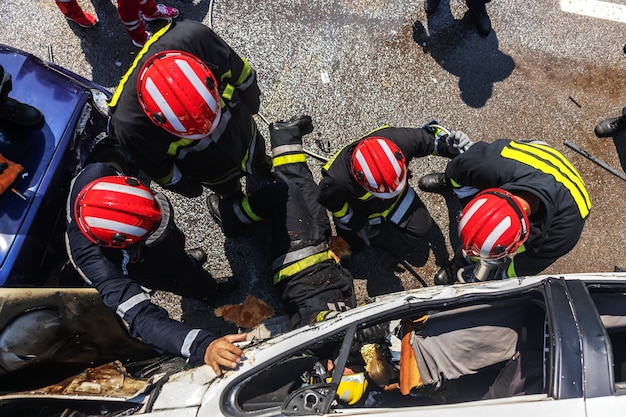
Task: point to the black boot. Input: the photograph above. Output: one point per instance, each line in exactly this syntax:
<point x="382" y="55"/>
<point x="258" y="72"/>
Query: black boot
<point x="198" y="254"/>
<point x="290" y="132"/>
<point x="430" y="6"/>
<point x="481" y="20"/>
<point x="447" y="274"/>
<point x="20" y="114"/>
<point x="222" y="212"/>
<point x="434" y="183"/>
<point x="610" y="127"/>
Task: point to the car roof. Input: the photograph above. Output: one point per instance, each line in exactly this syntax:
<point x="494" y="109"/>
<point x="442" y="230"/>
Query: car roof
<point x="41" y="151"/>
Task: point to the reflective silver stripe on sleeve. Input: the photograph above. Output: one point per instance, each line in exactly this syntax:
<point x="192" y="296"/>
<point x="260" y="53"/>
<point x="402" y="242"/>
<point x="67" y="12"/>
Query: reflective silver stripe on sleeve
<point x="279" y="150"/>
<point x="202" y="144"/>
<point x="123" y="308"/>
<point x="185" y="349"/>
<point x="291" y="257"/>
<point x="241" y="216"/>
<point x="404" y="205"/>
<point x="465" y="191"/>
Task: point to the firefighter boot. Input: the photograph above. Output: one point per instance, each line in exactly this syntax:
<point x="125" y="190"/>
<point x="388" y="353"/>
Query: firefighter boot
<point x="222" y="211"/>
<point x="198" y="254"/>
<point x="434" y="183"/>
<point x="448" y="274"/>
<point x="72" y="11"/>
<point x="610" y="127"/>
<point x="284" y="134"/>
<point x="20" y="114"/>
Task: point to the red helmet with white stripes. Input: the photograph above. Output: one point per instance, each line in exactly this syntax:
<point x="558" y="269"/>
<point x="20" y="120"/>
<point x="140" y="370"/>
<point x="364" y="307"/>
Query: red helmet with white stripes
<point x="116" y="211"/>
<point x="493" y="225"/>
<point x="178" y="92"/>
<point x="379" y="166"/>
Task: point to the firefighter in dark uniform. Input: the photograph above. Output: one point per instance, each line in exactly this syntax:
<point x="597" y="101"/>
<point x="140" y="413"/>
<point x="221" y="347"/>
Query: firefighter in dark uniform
<point x="184" y="112"/>
<point x="366" y="182"/>
<point x="307" y="273"/>
<point x="122" y="240"/>
<point x="550" y="190"/>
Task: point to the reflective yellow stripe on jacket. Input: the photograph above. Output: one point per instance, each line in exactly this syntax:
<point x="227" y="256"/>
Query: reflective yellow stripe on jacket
<point x="551" y="162"/>
<point x="303" y="264"/>
<point x="120" y="87"/>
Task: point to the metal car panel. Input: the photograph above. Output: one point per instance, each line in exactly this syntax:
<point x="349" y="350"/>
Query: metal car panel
<point x="566" y="376"/>
<point x="597" y="363"/>
<point x="26" y="227"/>
<point x="610" y="406"/>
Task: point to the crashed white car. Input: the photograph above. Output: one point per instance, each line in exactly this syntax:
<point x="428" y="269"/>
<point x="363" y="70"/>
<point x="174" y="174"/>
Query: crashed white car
<point x="576" y="324"/>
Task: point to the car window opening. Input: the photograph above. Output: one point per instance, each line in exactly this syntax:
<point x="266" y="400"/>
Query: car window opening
<point x="469" y="353"/>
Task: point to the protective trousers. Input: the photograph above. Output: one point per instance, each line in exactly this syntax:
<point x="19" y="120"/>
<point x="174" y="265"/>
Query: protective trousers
<point x="304" y="269"/>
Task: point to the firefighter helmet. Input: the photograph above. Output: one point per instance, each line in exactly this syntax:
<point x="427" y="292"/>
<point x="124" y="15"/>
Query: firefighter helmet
<point x="116" y="211"/>
<point x="493" y="225"/>
<point x="179" y="93"/>
<point x="379" y="166"/>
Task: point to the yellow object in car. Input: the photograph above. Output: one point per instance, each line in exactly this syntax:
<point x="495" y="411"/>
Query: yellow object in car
<point x="351" y="388"/>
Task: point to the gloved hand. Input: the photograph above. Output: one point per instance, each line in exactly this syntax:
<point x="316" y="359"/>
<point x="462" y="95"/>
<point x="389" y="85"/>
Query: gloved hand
<point x="186" y="187"/>
<point x="366" y="233"/>
<point x="458" y="142"/>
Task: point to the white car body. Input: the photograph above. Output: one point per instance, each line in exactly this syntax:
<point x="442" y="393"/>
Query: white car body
<point x="579" y="378"/>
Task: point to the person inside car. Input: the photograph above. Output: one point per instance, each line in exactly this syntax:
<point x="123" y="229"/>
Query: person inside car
<point x="122" y="240"/>
<point x="443" y="346"/>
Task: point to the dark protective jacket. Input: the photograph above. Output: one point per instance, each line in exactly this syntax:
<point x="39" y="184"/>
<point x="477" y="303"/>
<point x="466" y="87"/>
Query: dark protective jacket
<point x="227" y="153"/>
<point x="340" y="193"/>
<point x="536" y="168"/>
<point x="305" y="270"/>
<point x="119" y="274"/>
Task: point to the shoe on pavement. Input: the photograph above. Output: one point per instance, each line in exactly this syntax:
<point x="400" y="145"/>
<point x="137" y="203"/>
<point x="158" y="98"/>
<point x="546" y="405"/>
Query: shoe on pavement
<point x="86" y="20"/>
<point x="216" y="205"/>
<point x="609" y="127"/>
<point x="140" y="44"/>
<point x="20" y="114"/>
<point x="430" y="6"/>
<point x="74" y="13"/>
<point x="198" y="254"/>
<point x="163" y="12"/>
<point x="481" y="20"/>
<point x="434" y="183"/>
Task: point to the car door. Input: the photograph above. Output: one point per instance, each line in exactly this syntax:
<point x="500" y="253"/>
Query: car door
<point x="600" y="306"/>
<point x="280" y="389"/>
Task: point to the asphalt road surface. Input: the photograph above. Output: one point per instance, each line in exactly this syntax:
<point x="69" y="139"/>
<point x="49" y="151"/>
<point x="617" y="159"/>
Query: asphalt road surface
<point x="550" y="70"/>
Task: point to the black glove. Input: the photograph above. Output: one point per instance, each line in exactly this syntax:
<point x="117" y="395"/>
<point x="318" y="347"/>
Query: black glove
<point x="186" y="187"/>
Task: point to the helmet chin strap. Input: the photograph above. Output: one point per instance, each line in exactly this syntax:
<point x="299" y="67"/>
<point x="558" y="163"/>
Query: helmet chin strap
<point x="163" y="228"/>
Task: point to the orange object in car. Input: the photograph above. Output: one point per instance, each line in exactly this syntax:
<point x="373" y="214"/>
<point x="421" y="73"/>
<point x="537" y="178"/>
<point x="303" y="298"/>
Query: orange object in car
<point x="9" y="171"/>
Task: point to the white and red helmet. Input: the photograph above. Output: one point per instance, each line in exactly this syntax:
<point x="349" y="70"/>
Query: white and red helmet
<point x="379" y="166"/>
<point x="117" y="211"/>
<point x="493" y="225"/>
<point x="179" y="93"/>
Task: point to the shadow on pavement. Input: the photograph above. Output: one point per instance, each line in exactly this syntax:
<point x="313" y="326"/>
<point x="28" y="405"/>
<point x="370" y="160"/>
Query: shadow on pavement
<point x="456" y="46"/>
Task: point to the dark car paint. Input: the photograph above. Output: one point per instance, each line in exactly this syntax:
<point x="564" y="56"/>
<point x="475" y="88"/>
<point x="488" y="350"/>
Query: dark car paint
<point x="31" y="231"/>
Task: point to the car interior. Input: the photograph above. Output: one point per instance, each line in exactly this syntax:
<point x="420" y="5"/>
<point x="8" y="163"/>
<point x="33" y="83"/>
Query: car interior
<point x="611" y="306"/>
<point x="303" y="382"/>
